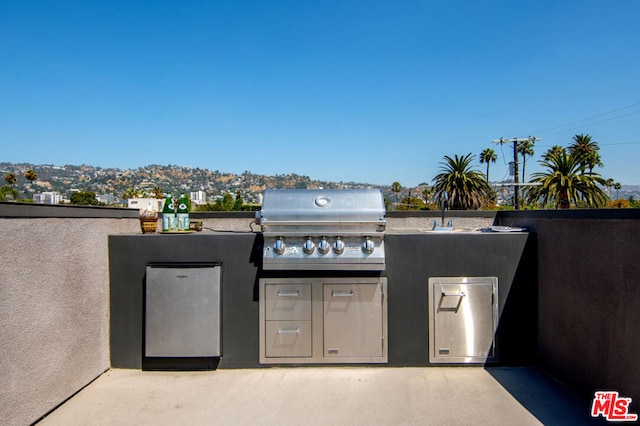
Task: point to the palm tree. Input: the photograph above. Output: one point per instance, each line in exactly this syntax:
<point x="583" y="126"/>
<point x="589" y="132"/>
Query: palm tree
<point x="488" y="156"/>
<point x="426" y="194"/>
<point x="10" y="178"/>
<point x="130" y="193"/>
<point x="157" y="192"/>
<point x="609" y="183"/>
<point x="554" y="150"/>
<point x="526" y="150"/>
<point x="564" y="183"/>
<point x="31" y="175"/>
<point x="587" y="150"/>
<point x="617" y="186"/>
<point x="396" y="188"/>
<point x="465" y="187"/>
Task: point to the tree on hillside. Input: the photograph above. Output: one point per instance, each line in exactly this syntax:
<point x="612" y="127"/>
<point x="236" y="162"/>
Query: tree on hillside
<point x="564" y="183"/>
<point x="131" y="193"/>
<point x="8" y="193"/>
<point x="488" y="155"/>
<point x="396" y="188"/>
<point x="10" y="178"/>
<point x="157" y="192"/>
<point x="31" y="175"/>
<point x="466" y="187"/>
<point x="225" y="203"/>
<point x="237" y="204"/>
<point x="84" y="198"/>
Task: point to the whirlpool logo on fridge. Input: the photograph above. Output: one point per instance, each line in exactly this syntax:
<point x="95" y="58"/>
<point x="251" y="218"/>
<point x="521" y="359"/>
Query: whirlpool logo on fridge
<point x="612" y="407"/>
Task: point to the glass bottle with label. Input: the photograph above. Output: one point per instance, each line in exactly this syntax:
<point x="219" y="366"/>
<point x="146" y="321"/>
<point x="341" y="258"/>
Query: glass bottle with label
<point x="168" y="215"/>
<point x="183" y="214"/>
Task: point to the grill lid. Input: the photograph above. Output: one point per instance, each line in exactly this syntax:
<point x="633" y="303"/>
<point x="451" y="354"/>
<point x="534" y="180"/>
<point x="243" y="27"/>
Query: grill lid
<point x="322" y="210"/>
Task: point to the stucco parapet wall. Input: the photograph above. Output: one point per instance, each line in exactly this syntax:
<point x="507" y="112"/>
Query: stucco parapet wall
<point x="396" y="220"/>
<point x="29" y="210"/>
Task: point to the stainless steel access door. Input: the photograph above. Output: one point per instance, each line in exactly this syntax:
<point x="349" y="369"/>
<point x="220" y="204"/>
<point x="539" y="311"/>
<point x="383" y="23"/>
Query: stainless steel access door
<point x="353" y="320"/>
<point x="463" y="318"/>
<point x="182" y="311"/>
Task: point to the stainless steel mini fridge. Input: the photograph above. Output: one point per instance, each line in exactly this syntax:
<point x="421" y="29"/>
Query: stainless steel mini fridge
<point x="463" y="319"/>
<point x="182" y="311"/>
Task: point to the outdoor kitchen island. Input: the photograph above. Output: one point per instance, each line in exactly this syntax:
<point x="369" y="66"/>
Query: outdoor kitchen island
<point x="412" y="257"/>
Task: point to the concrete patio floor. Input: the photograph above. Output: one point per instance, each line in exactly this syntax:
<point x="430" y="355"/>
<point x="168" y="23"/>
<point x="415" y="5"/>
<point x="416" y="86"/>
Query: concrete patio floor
<point x="325" y="396"/>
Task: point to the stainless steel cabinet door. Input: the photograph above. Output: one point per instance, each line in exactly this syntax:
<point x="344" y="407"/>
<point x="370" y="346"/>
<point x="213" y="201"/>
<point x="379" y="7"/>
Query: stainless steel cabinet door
<point x="353" y="320"/>
<point x="182" y="312"/>
<point x="463" y="319"/>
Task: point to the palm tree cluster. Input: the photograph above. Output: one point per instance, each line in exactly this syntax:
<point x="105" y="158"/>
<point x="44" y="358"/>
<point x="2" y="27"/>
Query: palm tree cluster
<point x="565" y="183"/>
<point x="569" y="179"/>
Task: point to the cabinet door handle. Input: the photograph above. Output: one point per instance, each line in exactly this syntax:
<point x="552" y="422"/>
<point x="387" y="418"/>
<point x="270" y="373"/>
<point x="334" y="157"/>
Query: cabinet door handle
<point x="451" y="309"/>
<point x="289" y="330"/>
<point x="341" y="294"/>
<point x="288" y="293"/>
<point x="453" y="294"/>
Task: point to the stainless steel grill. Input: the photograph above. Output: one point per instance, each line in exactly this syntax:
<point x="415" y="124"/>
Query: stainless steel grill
<point x="323" y="229"/>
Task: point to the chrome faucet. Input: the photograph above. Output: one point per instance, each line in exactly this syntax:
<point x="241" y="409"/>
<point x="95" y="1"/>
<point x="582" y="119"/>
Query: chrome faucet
<point x="442" y="227"/>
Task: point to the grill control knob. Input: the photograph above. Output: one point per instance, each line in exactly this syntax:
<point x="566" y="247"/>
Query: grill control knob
<point x="308" y="247"/>
<point x="338" y="246"/>
<point x="324" y="247"/>
<point x="278" y="247"/>
<point x="368" y="246"/>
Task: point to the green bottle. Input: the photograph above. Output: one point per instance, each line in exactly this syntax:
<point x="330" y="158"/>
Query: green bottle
<point x="183" y="214"/>
<point x="168" y="215"/>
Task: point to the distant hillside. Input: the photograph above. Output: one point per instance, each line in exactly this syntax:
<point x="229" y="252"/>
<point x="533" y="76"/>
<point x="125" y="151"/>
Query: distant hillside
<point x="178" y="179"/>
<point x="170" y="178"/>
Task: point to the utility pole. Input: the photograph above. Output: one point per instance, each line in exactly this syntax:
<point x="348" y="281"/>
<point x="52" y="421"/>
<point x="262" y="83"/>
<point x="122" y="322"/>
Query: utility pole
<point x="516" y="191"/>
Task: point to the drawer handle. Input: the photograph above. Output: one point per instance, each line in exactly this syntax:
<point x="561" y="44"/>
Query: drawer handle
<point x="288" y="293"/>
<point x="289" y="330"/>
<point x="341" y="294"/>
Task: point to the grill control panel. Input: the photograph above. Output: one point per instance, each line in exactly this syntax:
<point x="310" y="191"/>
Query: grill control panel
<point x="324" y="253"/>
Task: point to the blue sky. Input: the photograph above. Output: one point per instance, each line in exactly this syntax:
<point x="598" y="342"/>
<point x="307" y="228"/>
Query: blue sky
<point x="365" y="91"/>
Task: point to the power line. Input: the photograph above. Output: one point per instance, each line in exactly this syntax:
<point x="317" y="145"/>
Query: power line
<point x="601" y="144"/>
<point x="592" y="124"/>
<point x="591" y="118"/>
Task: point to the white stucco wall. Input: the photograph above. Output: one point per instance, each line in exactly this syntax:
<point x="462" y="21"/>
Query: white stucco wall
<point x="54" y="310"/>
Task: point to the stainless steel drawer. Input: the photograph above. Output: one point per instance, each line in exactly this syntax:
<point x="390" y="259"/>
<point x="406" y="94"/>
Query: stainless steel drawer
<point x="288" y="339"/>
<point x="288" y="302"/>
